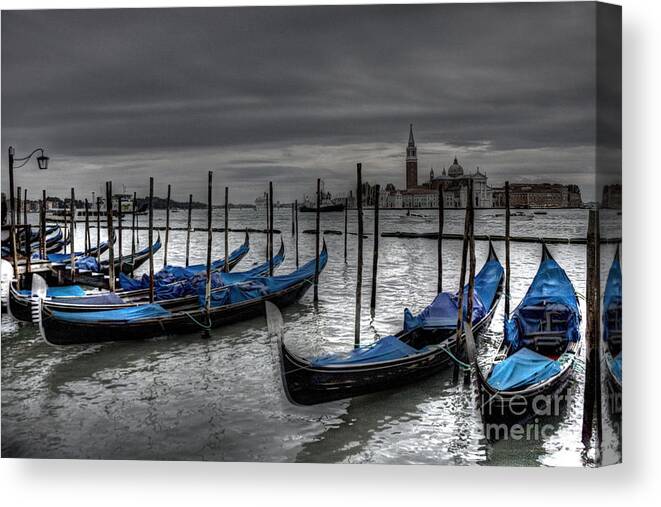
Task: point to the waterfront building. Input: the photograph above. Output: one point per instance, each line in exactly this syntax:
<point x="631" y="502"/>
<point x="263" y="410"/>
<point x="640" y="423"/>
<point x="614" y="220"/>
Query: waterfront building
<point x="539" y="195"/>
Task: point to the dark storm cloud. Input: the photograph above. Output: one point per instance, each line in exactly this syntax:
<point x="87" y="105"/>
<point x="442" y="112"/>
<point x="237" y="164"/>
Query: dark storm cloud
<point x="108" y="83"/>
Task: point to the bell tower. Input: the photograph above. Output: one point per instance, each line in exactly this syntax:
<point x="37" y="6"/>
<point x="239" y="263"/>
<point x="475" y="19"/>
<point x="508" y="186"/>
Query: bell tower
<point x="411" y="162"/>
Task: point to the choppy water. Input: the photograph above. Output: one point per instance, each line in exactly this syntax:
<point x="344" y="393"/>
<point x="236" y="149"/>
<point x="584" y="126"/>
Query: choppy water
<point x="186" y="398"/>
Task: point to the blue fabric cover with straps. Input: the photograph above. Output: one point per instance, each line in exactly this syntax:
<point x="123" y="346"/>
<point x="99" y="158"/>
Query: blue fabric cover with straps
<point x="257" y="287"/>
<point x="523" y="368"/>
<point x="120" y="315"/>
<point x="175" y="282"/>
<point x="385" y="349"/>
<point x="550" y="291"/>
<point x="442" y="312"/>
<point x="173" y="274"/>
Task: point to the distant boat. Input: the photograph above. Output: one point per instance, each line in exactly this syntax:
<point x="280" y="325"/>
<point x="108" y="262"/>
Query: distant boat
<point x="324" y="208"/>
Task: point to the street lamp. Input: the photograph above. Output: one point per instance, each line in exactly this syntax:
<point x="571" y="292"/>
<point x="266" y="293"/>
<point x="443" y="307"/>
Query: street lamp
<point x="42" y="163"/>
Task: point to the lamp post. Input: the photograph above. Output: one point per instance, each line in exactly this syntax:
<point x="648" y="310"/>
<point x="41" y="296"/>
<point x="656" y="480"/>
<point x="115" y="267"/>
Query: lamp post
<point x="42" y="163"/>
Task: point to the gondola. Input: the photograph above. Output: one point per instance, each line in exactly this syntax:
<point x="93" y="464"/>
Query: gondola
<point x="232" y="304"/>
<point x="93" y="251"/>
<point x="35" y="234"/>
<point x="424" y="347"/>
<point x="181" y="292"/>
<point x="54" y="242"/>
<point x="535" y="360"/>
<point x="95" y="274"/>
<point x="612" y="335"/>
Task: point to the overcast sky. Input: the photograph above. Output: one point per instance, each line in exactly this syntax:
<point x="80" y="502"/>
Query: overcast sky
<point x="291" y="94"/>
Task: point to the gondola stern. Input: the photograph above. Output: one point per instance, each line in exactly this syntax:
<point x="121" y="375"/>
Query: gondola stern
<point x="492" y="252"/>
<point x="546" y="254"/>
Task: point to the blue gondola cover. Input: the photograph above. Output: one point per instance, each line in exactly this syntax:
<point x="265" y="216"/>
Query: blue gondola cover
<point x="132" y="314"/>
<point x="442" y="312"/>
<point x="612" y="295"/>
<point x="67" y="290"/>
<point x="385" y="349"/>
<point x="256" y="287"/>
<point x="523" y="368"/>
<point x="550" y="291"/>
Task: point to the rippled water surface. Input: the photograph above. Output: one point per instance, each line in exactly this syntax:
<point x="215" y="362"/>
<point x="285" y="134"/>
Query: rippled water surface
<point x="188" y="398"/>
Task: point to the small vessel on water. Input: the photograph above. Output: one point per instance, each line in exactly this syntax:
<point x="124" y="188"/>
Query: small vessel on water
<point x="536" y="358"/>
<point x="422" y="348"/>
<point x="327" y="203"/>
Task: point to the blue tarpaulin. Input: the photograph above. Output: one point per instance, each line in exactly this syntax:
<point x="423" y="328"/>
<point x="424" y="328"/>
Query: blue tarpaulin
<point x="617" y="366"/>
<point x="551" y="291"/>
<point x="108" y="298"/>
<point x="385" y="349"/>
<point x="257" y="287"/>
<point x="612" y="296"/>
<point x="442" y="312"/>
<point x="173" y="274"/>
<point x="523" y="368"/>
<point x="67" y="290"/>
<point x="121" y="315"/>
<point x="175" y="282"/>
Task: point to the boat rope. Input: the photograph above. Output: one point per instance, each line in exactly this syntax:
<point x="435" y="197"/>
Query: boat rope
<point x="459" y="362"/>
<point x="206" y="327"/>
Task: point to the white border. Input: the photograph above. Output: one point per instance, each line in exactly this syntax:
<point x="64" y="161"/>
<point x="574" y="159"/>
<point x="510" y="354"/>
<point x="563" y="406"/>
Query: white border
<point x="100" y="483"/>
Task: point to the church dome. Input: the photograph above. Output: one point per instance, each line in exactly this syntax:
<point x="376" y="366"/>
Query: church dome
<point x="455" y="169"/>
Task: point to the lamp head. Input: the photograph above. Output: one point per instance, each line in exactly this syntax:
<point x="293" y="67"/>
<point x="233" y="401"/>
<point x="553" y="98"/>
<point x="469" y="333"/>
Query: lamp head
<point x="42" y="162"/>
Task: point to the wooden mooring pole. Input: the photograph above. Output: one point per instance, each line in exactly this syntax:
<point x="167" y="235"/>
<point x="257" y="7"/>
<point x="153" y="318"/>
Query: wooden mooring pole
<point x="167" y="226"/>
<point x="226" y="266"/>
<point x="150" y="236"/>
<point x="439" y="246"/>
<point x="346" y="223"/>
<point x="18" y="205"/>
<point x="296" y="233"/>
<point x="462" y="283"/>
<point x="188" y="228"/>
<point x="207" y="299"/>
<point x="134" y="232"/>
<point x="359" y="263"/>
<point x="120" y="227"/>
<point x="507" y="251"/>
<point x="592" y="390"/>
<point x="375" y="252"/>
<point x="42" y="224"/>
<point x="88" y="244"/>
<point x="25" y="206"/>
<point x="293" y="227"/>
<point x="28" y="252"/>
<point x="316" y="242"/>
<point x="111" y="243"/>
<point x="270" y="233"/>
<point x="471" y="277"/>
<point x="98" y="228"/>
<point x="71" y="233"/>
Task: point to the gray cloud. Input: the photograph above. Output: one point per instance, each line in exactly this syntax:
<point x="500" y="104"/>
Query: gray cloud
<point x="261" y="93"/>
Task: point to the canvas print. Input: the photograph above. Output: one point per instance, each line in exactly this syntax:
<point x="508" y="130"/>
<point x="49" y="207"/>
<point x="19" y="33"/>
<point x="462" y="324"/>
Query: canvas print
<point x="322" y="234"/>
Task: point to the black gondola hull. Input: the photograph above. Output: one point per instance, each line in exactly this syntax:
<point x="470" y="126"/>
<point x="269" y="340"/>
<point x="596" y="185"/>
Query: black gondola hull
<point x="508" y="409"/>
<point x="305" y="384"/>
<point x="64" y="332"/>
